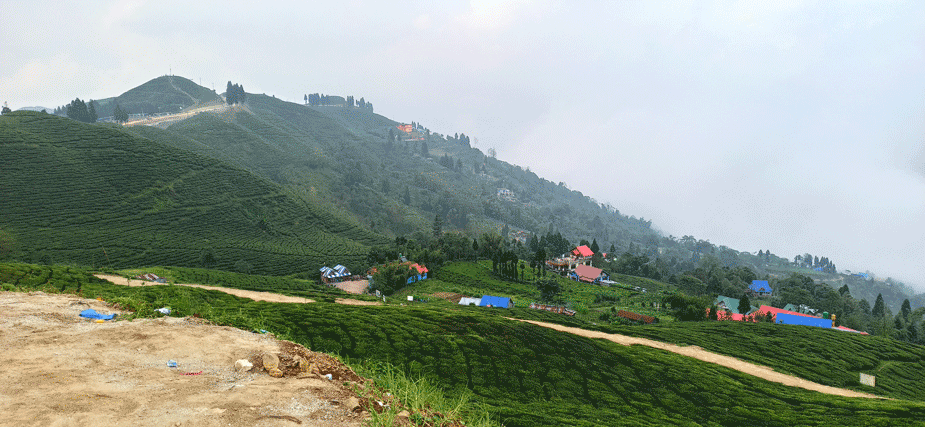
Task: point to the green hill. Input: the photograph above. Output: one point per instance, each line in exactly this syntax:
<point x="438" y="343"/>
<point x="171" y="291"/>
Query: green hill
<point x="99" y="196"/>
<point x="165" y="94"/>
<point x="527" y="375"/>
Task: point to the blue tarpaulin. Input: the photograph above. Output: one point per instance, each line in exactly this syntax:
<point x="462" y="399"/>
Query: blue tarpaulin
<point x="92" y="314"/>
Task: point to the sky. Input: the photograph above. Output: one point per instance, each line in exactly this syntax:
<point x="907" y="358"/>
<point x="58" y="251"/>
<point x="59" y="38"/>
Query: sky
<point x="792" y="127"/>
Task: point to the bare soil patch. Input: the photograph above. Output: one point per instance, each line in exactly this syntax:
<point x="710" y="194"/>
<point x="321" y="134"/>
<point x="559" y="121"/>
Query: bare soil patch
<point x="356" y="287"/>
<point x="706" y="356"/>
<point x="449" y="296"/>
<point x="60" y="369"/>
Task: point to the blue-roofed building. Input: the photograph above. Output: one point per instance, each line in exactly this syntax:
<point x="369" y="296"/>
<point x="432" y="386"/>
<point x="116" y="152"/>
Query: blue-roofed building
<point x="490" y="301"/>
<point x="760" y="288"/>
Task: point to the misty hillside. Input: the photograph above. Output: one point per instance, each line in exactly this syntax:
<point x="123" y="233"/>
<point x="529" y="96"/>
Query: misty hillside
<point x="96" y="195"/>
<point x="393" y="183"/>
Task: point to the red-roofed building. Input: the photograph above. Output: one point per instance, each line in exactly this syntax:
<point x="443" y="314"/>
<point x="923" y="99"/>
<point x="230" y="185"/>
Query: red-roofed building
<point x="589" y="274"/>
<point x="582" y="251"/>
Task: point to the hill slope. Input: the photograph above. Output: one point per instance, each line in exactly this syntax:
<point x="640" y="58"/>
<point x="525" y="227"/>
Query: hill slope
<point x="525" y="374"/>
<point x="165" y="94"/>
<point x="97" y="195"/>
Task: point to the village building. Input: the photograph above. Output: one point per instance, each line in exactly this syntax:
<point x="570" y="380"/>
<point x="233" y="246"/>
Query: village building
<point x="760" y="288"/>
<point x="334" y="275"/>
<point x="588" y="274"/>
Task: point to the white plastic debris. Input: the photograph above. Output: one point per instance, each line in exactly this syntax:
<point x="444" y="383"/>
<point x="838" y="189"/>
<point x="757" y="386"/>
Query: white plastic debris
<point x="243" y="365"/>
<point x="329" y="376"/>
<point x="163" y="310"/>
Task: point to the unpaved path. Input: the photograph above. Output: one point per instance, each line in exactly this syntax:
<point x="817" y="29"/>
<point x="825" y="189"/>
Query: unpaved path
<point x="254" y="295"/>
<point x="695" y="352"/>
<point x="58" y="369"/>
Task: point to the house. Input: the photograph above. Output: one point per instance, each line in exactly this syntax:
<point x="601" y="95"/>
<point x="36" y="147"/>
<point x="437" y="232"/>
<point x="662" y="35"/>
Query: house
<point x="470" y="301"/>
<point x="802" y="308"/>
<point x="731" y="304"/>
<point x="492" y="301"/>
<point x="588" y="274"/>
<point x="582" y="251"/>
<point x="421" y="273"/>
<point x="333" y="275"/>
<point x="760" y="288"/>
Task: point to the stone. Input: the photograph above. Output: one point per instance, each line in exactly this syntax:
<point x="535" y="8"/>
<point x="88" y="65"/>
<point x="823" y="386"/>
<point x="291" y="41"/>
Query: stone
<point x="352" y="404"/>
<point x="270" y="362"/>
<point x="404" y="414"/>
<point x="243" y="365"/>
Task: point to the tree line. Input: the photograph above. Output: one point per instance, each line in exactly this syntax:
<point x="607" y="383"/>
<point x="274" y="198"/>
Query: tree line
<point x="317" y="99"/>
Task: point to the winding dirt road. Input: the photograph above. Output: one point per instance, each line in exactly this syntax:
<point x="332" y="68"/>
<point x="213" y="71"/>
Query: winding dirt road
<point x="254" y="295"/>
<point x="698" y="353"/>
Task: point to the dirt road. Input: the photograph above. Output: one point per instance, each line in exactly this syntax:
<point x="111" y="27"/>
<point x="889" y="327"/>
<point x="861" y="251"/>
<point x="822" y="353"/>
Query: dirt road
<point x="254" y="295"/>
<point x="698" y="353"/>
<point x="60" y="369"/>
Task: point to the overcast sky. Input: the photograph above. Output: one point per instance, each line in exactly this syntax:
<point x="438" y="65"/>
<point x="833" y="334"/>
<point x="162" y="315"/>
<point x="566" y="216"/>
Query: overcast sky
<point x="790" y="126"/>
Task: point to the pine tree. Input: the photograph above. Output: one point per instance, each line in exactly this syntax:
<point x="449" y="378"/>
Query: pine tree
<point x="879" y="307"/>
<point x="119" y="115"/>
<point x="91" y="113"/>
<point x="744" y="305"/>
<point x="306" y="99"/>
<point x="594" y="247"/>
<point x="407" y="196"/>
<point x="906" y="309"/>
<point x="424" y="152"/>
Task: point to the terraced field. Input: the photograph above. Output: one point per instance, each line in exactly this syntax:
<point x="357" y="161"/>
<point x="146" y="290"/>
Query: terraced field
<point x="525" y="375"/>
<point x="96" y="195"/>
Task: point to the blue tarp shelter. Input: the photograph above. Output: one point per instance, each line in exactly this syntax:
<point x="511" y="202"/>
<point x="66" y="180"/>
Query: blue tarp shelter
<point x="503" y="302"/>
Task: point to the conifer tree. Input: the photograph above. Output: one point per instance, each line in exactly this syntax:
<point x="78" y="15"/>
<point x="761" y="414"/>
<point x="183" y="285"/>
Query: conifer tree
<point x="879" y="309"/>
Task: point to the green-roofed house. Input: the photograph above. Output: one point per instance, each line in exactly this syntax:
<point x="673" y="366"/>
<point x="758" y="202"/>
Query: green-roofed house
<point x="731" y="304"/>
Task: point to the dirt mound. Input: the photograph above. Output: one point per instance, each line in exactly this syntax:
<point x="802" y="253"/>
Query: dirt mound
<point x="67" y="370"/>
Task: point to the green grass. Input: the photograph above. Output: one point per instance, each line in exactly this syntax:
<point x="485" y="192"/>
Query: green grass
<point x="825" y="356"/>
<point x="525" y="375"/>
<point x="159" y="95"/>
<point x="98" y="196"/>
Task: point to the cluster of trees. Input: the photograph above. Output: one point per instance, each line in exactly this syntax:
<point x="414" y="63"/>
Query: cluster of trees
<point x="447" y="162"/>
<point x="6" y="109"/>
<point x="317" y="99"/>
<point x="119" y="115"/>
<point x="459" y="138"/>
<point x="815" y="262"/>
<point x="82" y="111"/>
<point x="234" y="94"/>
